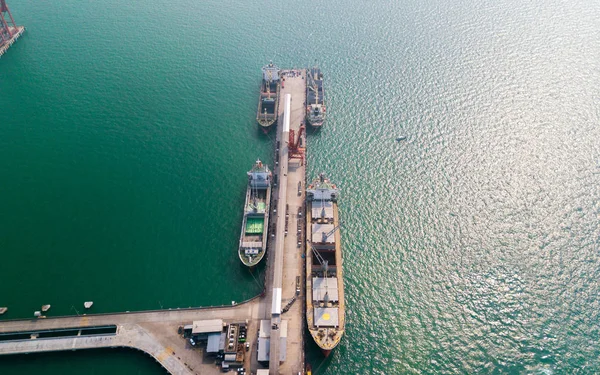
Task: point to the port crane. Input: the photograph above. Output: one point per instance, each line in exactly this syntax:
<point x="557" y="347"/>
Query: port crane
<point x="7" y="23"/>
<point x="295" y="148"/>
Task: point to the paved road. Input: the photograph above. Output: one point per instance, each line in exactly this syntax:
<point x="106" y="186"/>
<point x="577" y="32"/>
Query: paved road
<point x="293" y="263"/>
<point x="152" y="332"/>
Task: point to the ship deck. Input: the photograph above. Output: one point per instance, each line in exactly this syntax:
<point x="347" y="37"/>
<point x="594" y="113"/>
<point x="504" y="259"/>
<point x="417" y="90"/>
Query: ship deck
<point x="270" y="117"/>
<point x="256" y="199"/>
<point x="324" y="313"/>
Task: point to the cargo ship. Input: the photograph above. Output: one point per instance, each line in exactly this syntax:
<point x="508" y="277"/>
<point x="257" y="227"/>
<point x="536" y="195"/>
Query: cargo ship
<point x="268" y="102"/>
<point x="315" y="98"/>
<point x="325" y="307"/>
<point x="255" y="224"/>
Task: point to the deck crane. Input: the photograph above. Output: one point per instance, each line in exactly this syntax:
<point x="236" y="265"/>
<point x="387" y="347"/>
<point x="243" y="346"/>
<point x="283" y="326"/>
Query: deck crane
<point x="326" y="235"/>
<point x="6" y="23"/>
<point x="325" y="264"/>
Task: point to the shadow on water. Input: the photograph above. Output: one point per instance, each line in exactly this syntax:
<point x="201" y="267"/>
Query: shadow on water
<point x="314" y="356"/>
<point x="91" y="362"/>
<point x="270" y="133"/>
<point x="312" y="131"/>
<point x="255" y="275"/>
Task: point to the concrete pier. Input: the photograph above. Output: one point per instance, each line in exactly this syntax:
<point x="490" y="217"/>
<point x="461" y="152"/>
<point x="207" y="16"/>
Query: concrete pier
<point x="17" y="32"/>
<point x="292" y="263"/>
<point x="156" y="332"/>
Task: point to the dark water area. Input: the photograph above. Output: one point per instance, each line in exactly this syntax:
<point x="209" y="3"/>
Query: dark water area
<point x="469" y="247"/>
<point x="92" y="362"/>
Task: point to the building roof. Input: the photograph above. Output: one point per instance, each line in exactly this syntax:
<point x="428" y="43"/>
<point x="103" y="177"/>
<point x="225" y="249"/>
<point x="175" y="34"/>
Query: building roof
<point x="317" y="209"/>
<point x="282" y="348"/>
<point x="320" y="287"/>
<point x="276" y="305"/>
<point x="207" y="326"/>
<point x="264" y="346"/>
<point x="265" y="328"/>
<point x="320" y="230"/>
<point x="283" y="328"/>
<point x="264" y="349"/>
<point x="264" y="340"/>
<point x="214" y="342"/>
<point x="326" y="316"/>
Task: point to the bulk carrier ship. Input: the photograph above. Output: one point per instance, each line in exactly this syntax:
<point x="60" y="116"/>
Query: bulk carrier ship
<point x="268" y="102"/>
<point x="325" y="307"/>
<point x="253" y="240"/>
<point x="315" y="98"/>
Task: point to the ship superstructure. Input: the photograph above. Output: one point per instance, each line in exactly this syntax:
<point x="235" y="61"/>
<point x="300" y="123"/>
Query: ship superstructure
<point x="268" y="102"/>
<point x="315" y="98"/>
<point x="255" y="224"/>
<point x="325" y="307"/>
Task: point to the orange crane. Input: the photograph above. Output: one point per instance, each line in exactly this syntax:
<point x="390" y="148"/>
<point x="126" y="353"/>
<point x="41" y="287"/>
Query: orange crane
<point x="7" y="23"/>
<point x="295" y="148"/>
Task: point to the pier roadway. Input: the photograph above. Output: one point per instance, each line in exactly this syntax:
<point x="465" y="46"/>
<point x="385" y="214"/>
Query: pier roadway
<point x="156" y="332"/>
<point x="292" y="263"/>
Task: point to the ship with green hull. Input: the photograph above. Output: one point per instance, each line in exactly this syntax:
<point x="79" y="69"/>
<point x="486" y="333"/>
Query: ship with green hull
<point x="255" y="224"/>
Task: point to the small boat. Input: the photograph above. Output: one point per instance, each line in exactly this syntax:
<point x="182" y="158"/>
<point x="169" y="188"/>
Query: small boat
<point x="3" y="310"/>
<point x="88" y="304"/>
<point x="46" y="307"/>
<point x="401" y="138"/>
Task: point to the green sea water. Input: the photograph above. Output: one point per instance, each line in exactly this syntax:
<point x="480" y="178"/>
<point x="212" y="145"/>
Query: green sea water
<point x="126" y="129"/>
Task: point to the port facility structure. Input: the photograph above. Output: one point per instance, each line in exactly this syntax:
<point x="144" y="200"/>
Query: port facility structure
<point x="9" y="31"/>
<point x="156" y="332"/>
